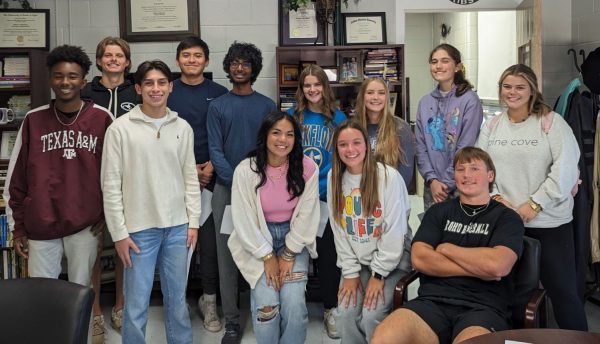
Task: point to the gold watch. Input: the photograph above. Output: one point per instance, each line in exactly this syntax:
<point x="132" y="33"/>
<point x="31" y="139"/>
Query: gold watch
<point x="535" y="206"/>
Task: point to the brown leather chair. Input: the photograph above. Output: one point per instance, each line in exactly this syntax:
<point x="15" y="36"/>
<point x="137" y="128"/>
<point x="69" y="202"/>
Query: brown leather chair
<point x="529" y="306"/>
<point x="44" y="310"/>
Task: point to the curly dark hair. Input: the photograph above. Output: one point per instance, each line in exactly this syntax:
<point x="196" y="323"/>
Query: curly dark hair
<point x="69" y="53"/>
<point x="247" y="52"/>
<point x="147" y="66"/>
<point x="295" y="174"/>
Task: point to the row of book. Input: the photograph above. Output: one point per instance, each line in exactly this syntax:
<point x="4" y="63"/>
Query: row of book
<point x="382" y="63"/>
<point x="15" y="72"/>
<point x="11" y="265"/>
<point x="5" y="233"/>
<point x="288" y="99"/>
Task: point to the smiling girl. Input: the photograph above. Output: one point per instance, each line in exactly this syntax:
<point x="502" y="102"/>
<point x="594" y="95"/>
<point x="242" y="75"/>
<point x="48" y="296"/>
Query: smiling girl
<point x="448" y="119"/>
<point x="536" y="157"/>
<point x="317" y="115"/>
<point x="275" y="199"/>
<point x="368" y="207"/>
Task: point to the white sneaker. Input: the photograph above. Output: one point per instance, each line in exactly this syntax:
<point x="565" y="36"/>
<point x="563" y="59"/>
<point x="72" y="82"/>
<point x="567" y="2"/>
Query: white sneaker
<point x="329" y="322"/>
<point x="208" y="308"/>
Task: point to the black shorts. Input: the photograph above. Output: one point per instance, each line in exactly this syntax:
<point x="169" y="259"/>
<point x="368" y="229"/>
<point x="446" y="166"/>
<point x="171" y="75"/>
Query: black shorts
<point x="448" y="320"/>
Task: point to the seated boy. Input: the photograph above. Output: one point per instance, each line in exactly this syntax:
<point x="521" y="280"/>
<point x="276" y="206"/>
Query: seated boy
<point x="465" y="249"/>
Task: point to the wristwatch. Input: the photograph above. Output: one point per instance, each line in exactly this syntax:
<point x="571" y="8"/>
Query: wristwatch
<point x="535" y="206"/>
<point x="376" y="275"/>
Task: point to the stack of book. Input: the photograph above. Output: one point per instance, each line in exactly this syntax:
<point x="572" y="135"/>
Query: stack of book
<point x="3" y="173"/>
<point x="382" y="63"/>
<point x="16" y="72"/>
<point x="287" y="98"/>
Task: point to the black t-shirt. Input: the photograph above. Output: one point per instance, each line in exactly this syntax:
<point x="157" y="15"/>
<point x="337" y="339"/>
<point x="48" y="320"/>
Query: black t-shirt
<point x="496" y="226"/>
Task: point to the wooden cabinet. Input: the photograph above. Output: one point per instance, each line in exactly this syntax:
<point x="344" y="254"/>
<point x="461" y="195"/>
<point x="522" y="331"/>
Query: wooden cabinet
<point x="38" y="88"/>
<point x="364" y="59"/>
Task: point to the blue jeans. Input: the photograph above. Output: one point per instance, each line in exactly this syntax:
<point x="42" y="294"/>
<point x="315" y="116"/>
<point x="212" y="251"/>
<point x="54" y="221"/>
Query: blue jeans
<point x="357" y="324"/>
<point x="288" y="321"/>
<point x="167" y="247"/>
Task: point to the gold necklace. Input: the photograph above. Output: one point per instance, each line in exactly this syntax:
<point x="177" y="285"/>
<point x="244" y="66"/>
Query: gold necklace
<point x="76" y="116"/>
<point x="282" y="171"/>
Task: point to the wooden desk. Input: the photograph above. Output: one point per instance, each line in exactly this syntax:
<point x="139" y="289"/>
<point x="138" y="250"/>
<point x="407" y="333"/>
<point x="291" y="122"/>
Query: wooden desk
<point x="538" y="335"/>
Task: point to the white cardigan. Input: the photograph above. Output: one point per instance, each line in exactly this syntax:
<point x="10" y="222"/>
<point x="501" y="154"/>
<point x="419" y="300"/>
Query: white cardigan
<point x="251" y="239"/>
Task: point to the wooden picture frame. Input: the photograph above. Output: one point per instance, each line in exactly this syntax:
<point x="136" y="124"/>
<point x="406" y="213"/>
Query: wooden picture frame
<point x="364" y="28"/>
<point x="165" y="21"/>
<point x="9" y="137"/>
<point x="25" y="29"/>
<point x="350" y="64"/>
<point x="333" y="73"/>
<point x="300" y="35"/>
<point x="288" y="74"/>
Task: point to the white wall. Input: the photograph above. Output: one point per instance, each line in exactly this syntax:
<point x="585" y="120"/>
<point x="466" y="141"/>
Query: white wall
<point x="585" y="32"/>
<point x="86" y="22"/>
<point x="556" y="40"/>
<point x="497" y="50"/>
<point x="419" y="42"/>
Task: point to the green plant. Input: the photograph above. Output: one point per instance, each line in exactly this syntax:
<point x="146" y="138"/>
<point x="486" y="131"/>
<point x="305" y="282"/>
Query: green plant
<point x="295" y="4"/>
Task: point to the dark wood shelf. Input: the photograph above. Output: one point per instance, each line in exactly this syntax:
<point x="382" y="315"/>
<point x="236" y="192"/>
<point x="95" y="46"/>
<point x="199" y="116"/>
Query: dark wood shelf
<point x="327" y="56"/>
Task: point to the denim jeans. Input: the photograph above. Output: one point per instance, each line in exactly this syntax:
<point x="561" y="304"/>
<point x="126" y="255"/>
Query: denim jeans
<point x="357" y="324"/>
<point x="289" y="318"/>
<point x="167" y="247"/>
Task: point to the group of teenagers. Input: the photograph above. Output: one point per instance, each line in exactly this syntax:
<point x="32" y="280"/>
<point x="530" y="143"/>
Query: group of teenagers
<point x="139" y="153"/>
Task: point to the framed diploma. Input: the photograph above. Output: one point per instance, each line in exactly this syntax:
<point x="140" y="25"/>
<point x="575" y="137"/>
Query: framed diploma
<point x="158" y="20"/>
<point x="24" y="29"/>
<point x="364" y="28"/>
<point x="300" y="27"/>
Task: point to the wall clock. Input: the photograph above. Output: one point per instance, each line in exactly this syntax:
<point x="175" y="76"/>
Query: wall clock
<point x="464" y="2"/>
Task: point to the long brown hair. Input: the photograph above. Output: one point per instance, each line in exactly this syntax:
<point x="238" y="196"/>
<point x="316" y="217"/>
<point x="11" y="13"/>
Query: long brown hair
<point x="388" y="149"/>
<point x="328" y="107"/>
<point x="368" y="180"/>
<point x="462" y="84"/>
<point x="537" y="106"/>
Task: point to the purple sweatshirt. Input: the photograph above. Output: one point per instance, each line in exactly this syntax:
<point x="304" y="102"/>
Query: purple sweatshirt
<point x="445" y="125"/>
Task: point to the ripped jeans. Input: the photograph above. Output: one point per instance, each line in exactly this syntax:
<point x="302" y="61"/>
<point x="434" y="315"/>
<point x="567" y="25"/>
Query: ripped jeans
<point x="288" y="319"/>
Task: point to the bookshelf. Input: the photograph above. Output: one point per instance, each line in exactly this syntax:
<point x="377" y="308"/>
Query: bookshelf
<point x="23" y="86"/>
<point x="349" y="63"/>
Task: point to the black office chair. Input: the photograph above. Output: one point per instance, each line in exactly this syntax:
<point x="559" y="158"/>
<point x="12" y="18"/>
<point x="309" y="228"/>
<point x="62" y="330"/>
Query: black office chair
<point x="529" y="306"/>
<point x="44" y="310"/>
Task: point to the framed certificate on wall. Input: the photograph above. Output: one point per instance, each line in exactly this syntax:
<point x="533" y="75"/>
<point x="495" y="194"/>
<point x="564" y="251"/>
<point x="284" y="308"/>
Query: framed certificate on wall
<point x="158" y="21"/>
<point x="24" y="29"/>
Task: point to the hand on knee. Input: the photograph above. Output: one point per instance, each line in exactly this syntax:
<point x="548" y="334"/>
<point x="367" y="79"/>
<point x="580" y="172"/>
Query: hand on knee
<point x="267" y="313"/>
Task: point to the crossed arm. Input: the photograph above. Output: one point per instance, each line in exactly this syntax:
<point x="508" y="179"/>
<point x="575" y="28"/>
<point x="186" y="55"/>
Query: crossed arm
<point x="449" y="260"/>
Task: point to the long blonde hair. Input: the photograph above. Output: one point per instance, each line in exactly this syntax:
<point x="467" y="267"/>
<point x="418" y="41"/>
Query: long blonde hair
<point x="388" y="149"/>
<point x="368" y="180"/>
<point x="328" y="107"/>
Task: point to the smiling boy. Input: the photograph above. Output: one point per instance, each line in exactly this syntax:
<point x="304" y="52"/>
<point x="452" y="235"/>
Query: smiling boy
<point x="54" y="195"/>
<point x="152" y="203"/>
<point x="465" y="250"/>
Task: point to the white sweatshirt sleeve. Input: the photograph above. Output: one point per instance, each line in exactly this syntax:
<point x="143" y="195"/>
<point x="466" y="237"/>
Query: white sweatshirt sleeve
<point x="190" y="177"/>
<point x="563" y="171"/>
<point x="396" y="210"/>
<point x="111" y="178"/>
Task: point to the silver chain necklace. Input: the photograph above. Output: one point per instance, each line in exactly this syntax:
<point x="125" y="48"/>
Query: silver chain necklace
<point x="474" y="211"/>
<point x="76" y="116"/>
